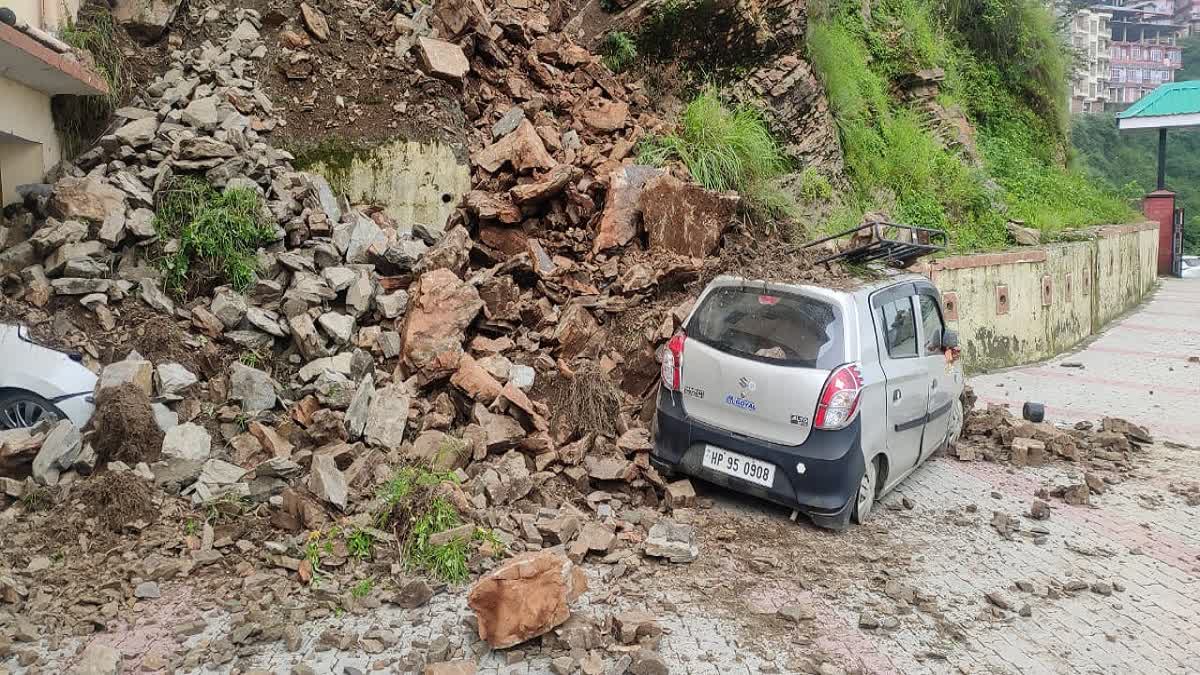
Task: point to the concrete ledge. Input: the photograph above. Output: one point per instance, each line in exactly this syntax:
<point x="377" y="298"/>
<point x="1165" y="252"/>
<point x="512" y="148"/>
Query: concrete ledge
<point x="1023" y="306"/>
<point x="25" y="60"/>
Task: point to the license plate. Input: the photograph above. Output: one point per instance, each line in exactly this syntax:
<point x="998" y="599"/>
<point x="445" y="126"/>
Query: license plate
<point x="739" y="466"/>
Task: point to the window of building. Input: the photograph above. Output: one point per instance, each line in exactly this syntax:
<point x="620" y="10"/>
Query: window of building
<point x="1156" y="54"/>
<point x="1092" y="90"/>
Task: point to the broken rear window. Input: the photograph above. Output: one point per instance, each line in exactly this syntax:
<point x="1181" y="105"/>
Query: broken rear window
<point x="786" y="328"/>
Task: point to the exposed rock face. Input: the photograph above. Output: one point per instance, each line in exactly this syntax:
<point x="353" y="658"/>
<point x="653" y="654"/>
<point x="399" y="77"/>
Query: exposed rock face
<point x="525" y="597"/>
<point x="794" y="102"/>
<point x="442" y="308"/>
<point x="685" y="218"/>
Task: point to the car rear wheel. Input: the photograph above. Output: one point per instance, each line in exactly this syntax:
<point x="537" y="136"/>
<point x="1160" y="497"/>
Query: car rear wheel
<point x="956" y="423"/>
<point x="867" y="488"/>
<point x="22" y="409"/>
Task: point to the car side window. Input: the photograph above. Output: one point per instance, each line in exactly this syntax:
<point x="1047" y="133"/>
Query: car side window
<point x="899" y="325"/>
<point x="931" y="321"/>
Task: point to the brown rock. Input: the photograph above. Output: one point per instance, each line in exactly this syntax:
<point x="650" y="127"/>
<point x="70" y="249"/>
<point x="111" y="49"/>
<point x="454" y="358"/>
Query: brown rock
<point x="441" y="308"/>
<point x="507" y="240"/>
<point x="91" y="199"/>
<point x="550" y="185"/>
<point x="315" y="22"/>
<point x="681" y="494"/>
<point x="525" y="597"/>
<point x="1095" y="483"/>
<point x="452" y="18"/>
<point x="1039" y="510"/>
<point x="207" y="322"/>
<point x="619" y="221"/>
<point x="1076" y="495"/>
<point x="475" y="381"/>
<point x="1028" y="452"/>
<point x="487" y="207"/>
<point x="633" y="626"/>
<point x="523" y="149"/>
<point x="575" y="330"/>
<point x="443" y="59"/>
<point x="270" y="440"/>
<point x="685" y="218"/>
<point x="607" y="116"/>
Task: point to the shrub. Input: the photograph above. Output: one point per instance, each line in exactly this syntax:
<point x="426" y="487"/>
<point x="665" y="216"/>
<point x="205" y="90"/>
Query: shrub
<point x="218" y="234"/>
<point x="725" y="149"/>
<point x="619" y="51"/>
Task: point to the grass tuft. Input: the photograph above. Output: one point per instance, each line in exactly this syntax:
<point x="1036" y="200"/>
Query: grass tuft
<point x="218" y="233"/>
<point x="725" y="149"/>
<point x="81" y="118"/>
<point x="620" y="51"/>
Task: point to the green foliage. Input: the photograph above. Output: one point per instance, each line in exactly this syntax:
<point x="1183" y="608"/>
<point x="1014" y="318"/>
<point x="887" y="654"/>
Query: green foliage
<point x="1191" y="59"/>
<point x="363" y="588"/>
<point x="447" y="562"/>
<point x="620" y="51"/>
<point x="1020" y="38"/>
<point x="814" y="186"/>
<point x="725" y="149"/>
<point x="36" y="499"/>
<point x="218" y="233"/>
<point x="361" y="544"/>
<point x="1127" y="163"/>
<point x="1012" y="99"/>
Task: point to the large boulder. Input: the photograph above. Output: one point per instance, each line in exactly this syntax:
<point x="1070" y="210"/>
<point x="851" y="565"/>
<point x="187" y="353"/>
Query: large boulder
<point x="525" y="597"/>
<point x="145" y="19"/>
<point x="89" y="199"/>
<point x="523" y="149"/>
<point x="619" y="221"/>
<point x="441" y="308"/>
<point x="685" y="218"/>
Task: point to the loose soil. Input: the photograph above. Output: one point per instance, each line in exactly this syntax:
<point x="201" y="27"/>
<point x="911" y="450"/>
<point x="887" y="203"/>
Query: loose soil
<point x="117" y="499"/>
<point x="124" y="426"/>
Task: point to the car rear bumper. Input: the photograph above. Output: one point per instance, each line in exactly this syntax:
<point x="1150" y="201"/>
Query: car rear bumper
<point x="825" y="491"/>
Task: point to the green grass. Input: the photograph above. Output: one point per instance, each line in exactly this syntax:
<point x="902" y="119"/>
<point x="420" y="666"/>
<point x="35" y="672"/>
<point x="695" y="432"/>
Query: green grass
<point x="219" y="234"/>
<point x="81" y="118"/>
<point x="415" y="513"/>
<point x="361" y="544"/>
<point x="363" y="588"/>
<point x="896" y="165"/>
<point x="725" y="148"/>
<point x="814" y="186"/>
<point x="619" y="50"/>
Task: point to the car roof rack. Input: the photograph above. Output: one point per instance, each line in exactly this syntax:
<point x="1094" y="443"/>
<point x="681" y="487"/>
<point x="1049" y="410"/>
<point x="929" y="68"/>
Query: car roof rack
<point x="878" y="240"/>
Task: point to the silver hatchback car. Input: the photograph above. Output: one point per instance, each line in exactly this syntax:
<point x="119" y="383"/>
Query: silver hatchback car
<point x="817" y="399"/>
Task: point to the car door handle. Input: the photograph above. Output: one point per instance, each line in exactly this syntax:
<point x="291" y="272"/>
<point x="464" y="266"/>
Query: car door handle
<point x="896" y="395"/>
<point x="933" y="385"/>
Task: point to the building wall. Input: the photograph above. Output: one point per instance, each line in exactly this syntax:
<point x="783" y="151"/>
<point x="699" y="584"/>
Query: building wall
<point x="48" y="15"/>
<point x="1056" y="295"/>
<point x="29" y="145"/>
<point x="1090" y="35"/>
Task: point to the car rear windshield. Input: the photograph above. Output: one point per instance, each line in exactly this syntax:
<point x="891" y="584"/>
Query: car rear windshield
<point x="784" y="328"/>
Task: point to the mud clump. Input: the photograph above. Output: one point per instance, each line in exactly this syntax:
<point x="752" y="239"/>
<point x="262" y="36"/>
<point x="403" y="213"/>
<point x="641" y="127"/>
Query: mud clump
<point x="124" y="426"/>
<point x="117" y="499"/>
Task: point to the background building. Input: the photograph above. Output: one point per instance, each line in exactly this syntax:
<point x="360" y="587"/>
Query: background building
<point x="1090" y="36"/>
<point x="1145" y="49"/>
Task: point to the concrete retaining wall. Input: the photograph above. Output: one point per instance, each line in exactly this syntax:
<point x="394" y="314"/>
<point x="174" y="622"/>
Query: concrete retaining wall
<point x="1023" y="306"/>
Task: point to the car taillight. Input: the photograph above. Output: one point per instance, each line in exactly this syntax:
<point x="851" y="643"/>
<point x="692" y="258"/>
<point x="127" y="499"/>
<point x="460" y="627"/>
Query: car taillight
<point x="672" y="362"/>
<point x="839" y="398"/>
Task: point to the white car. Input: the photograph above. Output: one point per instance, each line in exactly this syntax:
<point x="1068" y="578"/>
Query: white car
<point x="1191" y="267"/>
<point x="38" y="382"/>
<point x="818" y="399"/>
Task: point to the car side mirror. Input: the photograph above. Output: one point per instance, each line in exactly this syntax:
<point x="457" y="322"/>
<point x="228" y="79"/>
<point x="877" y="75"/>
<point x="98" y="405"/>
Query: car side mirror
<point x="949" y="340"/>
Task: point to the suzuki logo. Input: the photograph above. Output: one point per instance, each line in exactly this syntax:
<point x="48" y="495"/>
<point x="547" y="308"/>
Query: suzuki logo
<point x="747" y="384"/>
